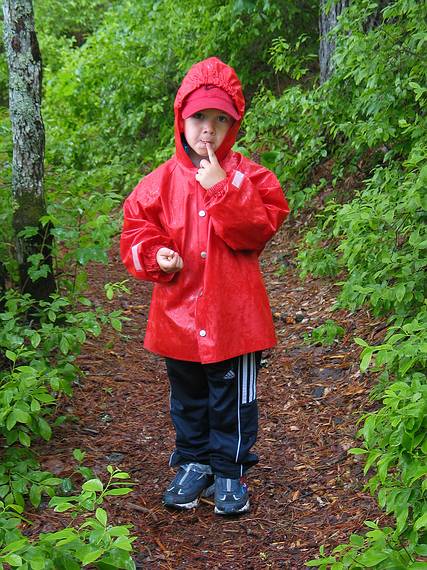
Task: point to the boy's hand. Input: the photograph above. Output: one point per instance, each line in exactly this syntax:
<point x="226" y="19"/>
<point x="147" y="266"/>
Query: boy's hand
<point x="168" y="260"/>
<point x="210" y="171"/>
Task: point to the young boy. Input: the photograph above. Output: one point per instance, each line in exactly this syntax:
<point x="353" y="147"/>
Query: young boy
<point x="196" y="226"/>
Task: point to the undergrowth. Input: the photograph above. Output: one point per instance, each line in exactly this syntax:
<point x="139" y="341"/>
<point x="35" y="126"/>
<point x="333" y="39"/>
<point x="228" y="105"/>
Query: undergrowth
<point x="371" y="111"/>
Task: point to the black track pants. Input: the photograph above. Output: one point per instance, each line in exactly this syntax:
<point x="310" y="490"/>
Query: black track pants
<point x="215" y="413"/>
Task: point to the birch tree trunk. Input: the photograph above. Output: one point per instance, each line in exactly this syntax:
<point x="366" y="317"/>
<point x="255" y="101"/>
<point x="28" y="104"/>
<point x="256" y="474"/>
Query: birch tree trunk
<point x="328" y="20"/>
<point x="25" y="80"/>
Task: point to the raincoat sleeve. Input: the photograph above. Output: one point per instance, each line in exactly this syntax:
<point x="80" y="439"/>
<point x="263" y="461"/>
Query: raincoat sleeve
<point x="142" y="237"/>
<point x="247" y="208"/>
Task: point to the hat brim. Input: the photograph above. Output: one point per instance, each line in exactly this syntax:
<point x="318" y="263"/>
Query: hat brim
<point x="209" y="103"/>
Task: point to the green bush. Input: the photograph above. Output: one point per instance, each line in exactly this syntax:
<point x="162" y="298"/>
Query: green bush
<point x="41" y="354"/>
<point x="325" y="334"/>
<point x="368" y="121"/>
<point x="279" y="128"/>
<point x="144" y="53"/>
<point x="22" y="479"/>
<point x="88" y="540"/>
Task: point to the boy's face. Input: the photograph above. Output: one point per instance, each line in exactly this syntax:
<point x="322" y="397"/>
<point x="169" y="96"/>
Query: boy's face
<point x="208" y="125"/>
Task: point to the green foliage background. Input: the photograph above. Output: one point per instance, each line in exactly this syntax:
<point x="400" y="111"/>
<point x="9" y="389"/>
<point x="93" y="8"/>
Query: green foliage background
<point x="111" y="70"/>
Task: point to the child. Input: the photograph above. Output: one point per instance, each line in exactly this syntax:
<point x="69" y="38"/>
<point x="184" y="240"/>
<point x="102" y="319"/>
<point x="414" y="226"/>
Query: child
<point x="196" y="226"/>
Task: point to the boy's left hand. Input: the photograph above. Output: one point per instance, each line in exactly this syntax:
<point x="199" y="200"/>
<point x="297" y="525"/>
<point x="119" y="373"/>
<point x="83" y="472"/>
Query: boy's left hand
<point x="210" y="171"/>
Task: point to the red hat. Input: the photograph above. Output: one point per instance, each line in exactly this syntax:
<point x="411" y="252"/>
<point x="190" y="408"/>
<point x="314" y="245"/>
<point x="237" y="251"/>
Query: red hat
<point x="208" y="97"/>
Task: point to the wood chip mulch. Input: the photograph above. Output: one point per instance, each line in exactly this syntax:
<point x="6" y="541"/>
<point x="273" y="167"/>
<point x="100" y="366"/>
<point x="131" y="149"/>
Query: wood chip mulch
<point x="306" y="490"/>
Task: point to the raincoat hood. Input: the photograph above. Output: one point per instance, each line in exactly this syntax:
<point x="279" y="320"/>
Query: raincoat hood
<point x="211" y="71"/>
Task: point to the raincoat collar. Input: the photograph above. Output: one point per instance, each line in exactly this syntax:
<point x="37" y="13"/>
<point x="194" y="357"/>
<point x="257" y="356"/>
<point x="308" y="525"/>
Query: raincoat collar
<point x="211" y="71"/>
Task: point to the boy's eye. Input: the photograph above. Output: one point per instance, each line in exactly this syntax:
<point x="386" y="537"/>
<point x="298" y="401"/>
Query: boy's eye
<point x="197" y="115"/>
<point x="223" y="118"/>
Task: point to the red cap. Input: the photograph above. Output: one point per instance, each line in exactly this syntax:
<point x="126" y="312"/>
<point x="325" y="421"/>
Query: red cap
<point x="208" y="97"/>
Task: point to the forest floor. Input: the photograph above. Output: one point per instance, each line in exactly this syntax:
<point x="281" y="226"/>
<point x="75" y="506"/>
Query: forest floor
<point x="306" y="490"/>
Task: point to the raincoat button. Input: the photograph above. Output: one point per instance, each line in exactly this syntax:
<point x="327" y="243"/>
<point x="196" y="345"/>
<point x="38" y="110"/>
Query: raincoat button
<point x="202" y="213"/>
<point x="202" y="333"/>
<point x="203" y="254"/>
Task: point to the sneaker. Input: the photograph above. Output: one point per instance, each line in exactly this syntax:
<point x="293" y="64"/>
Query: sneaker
<point x="231" y="496"/>
<point x="191" y="482"/>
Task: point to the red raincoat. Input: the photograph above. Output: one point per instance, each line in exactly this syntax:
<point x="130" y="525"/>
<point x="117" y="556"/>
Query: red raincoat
<point x="216" y="307"/>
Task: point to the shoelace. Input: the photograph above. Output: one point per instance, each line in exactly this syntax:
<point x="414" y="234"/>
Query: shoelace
<point x="187" y="469"/>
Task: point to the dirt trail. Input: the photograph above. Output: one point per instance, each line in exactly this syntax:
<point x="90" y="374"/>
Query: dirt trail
<point x="306" y="489"/>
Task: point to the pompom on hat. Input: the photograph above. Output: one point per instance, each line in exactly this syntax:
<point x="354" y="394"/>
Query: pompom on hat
<point x="208" y="97"/>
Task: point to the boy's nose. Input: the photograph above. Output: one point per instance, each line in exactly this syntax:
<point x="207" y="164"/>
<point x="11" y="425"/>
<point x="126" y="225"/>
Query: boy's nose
<point x="209" y="127"/>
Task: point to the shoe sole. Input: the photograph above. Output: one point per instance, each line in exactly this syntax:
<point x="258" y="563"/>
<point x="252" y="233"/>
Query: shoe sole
<point x="208" y="492"/>
<point x="183" y="506"/>
<point x="243" y="509"/>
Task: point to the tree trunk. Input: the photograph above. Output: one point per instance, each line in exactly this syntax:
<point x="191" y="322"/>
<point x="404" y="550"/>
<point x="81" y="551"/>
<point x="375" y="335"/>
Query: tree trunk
<point x="328" y="21"/>
<point x="25" y="77"/>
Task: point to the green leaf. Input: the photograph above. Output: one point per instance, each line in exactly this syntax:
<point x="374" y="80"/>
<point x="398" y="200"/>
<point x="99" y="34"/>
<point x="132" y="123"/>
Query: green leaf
<point x="318" y="562"/>
<point x="37" y="562"/>
<point x="121" y="475"/>
<point x="116" y="558"/>
<point x="357" y="540"/>
<point x="371" y="524"/>
<point x="13" y="560"/>
<point x="366" y="359"/>
<point x="269" y="158"/>
<point x="52" y="481"/>
<point x="51" y="315"/>
<point x="79" y="455"/>
<point x="11" y="421"/>
<point x="101" y="516"/>
<point x="92" y="556"/>
<point x="123" y="543"/>
<point x="35" y="495"/>
<point x="371" y="557"/>
<point x="44" y="429"/>
<point x="22" y="417"/>
<point x="93" y="485"/>
<point x="16" y="545"/>
<point x="35" y="405"/>
<point x="116" y="324"/>
<point x="86" y="472"/>
<point x="401" y="518"/>
<point x="64" y="534"/>
<point x="122" y="491"/>
<point x="35" y="339"/>
<point x="400" y="292"/>
<point x="118" y="531"/>
<point x="44" y="397"/>
<point x="24" y="438"/>
<point x="357" y="451"/>
<point x="86" y="254"/>
<point x="421" y="522"/>
<point x="361" y="342"/>
<point x="421" y="549"/>
<point x="64" y="345"/>
<point x="11" y="355"/>
<point x="63" y="507"/>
